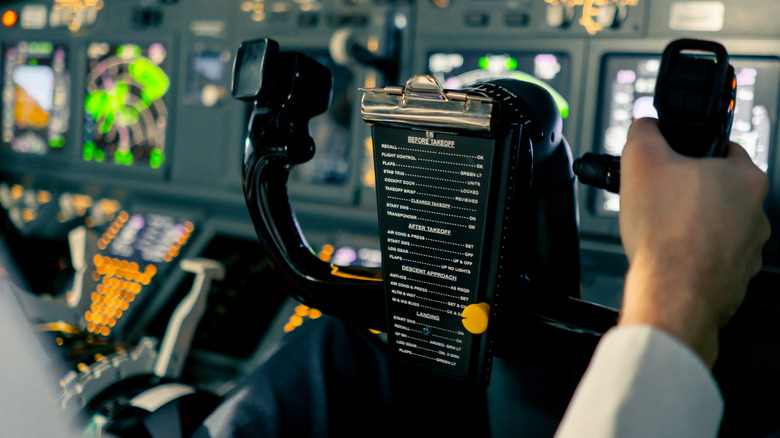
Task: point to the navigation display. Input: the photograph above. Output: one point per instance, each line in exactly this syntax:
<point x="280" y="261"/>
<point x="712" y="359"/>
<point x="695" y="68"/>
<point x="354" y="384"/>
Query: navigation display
<point x="125" y="116"/>
<point x="35" y="97"/>
<point x="628" y="87"/>
<point x="456" y="70"/>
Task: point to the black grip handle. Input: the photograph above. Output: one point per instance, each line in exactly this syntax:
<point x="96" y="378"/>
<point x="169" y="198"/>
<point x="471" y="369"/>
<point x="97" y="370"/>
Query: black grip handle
<point x="694" y="97"/>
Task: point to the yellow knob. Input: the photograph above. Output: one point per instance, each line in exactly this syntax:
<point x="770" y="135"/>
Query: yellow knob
<point x="475" y="317"/>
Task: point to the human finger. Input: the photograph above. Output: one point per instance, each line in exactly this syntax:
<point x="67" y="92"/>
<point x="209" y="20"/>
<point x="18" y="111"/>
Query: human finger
<point x="758" y="180"/>
<point x="646" y="150"/>
<point x="646" y="132"/>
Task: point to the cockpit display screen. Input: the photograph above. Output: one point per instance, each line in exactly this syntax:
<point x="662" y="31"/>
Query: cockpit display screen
<point x="628" y="87"/>
<point x="35" y="98"/>
<point x="456" y="70"/>
<point x="125" y="115"/>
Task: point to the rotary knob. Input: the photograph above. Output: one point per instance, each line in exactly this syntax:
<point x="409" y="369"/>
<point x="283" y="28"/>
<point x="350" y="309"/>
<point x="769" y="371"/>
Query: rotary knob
<point x="559" y="16"/>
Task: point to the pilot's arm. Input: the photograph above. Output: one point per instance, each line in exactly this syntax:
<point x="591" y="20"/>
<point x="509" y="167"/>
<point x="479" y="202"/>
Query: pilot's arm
<point x="693" y="230"/>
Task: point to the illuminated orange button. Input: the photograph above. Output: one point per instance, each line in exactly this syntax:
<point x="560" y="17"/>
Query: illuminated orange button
<point x="314" y="314"/>
<point x="289" y="327"/>
<point x="44" y="197"/>
<point x="301" y="310"/>
<point x="296" y="320"/>
<point x="150" y="270"/>
<point x="9" y="18"/>
<point x="475" y="317"/>
<point x="98" y="260"/>
<point x="123" y="216"/>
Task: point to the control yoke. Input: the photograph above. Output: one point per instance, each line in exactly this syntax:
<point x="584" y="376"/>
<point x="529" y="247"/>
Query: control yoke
<point x="477" y="215"/>
<point x="286" y="91"/>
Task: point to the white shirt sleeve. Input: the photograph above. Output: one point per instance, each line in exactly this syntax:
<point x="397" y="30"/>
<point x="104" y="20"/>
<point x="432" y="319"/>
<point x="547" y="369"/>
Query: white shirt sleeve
<point x="643" y="382"/>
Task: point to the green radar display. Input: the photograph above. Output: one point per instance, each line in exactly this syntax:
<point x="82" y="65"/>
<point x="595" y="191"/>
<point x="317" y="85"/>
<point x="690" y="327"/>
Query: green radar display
<point x="125" y="117"/>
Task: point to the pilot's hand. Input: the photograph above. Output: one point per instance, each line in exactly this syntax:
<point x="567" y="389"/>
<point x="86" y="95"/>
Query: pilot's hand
<point x="693" y="230"/>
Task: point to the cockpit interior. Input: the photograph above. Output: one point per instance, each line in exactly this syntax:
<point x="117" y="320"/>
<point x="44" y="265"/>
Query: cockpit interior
<point x="185" y="184"/>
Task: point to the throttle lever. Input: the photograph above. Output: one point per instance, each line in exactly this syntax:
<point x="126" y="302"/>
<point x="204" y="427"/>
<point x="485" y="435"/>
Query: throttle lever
<point x="695" y="95"/>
